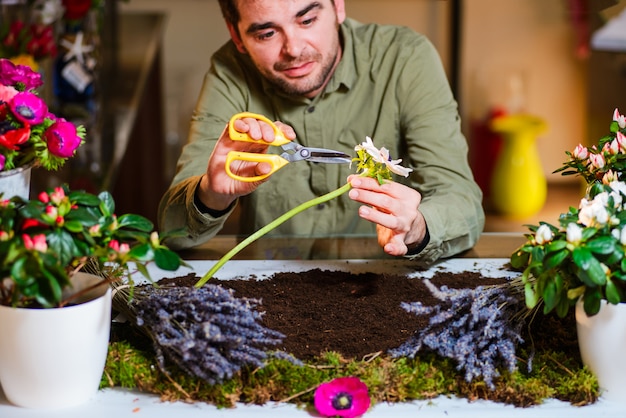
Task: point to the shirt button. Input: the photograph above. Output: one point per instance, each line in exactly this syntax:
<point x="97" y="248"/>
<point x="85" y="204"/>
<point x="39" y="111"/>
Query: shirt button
<point x="311" y="109"/>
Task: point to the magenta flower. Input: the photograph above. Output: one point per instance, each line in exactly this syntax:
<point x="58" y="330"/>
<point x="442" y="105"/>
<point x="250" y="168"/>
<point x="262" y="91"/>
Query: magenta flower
<point x="2" y="161"/>
<point x="21" y="77"/>
<point x="28" y="108"/>
<point x="62" y="138"/>
<point x="344" y="397"/>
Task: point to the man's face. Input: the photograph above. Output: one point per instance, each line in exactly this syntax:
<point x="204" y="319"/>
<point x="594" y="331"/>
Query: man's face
<point x="293" y="43"/>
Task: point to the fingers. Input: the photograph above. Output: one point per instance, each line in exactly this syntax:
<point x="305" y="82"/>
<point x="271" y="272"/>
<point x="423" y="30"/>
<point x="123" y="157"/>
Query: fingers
<point x="259" y="130"/>
<point x="393" y="207"/>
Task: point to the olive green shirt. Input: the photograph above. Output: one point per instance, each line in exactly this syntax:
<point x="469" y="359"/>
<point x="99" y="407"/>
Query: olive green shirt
<point x="390" y="85"/>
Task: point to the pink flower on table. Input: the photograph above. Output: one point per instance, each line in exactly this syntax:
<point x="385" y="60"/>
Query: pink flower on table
<point x="62" y="138"/>
<point x="597" y="160"/>
<point x="620" y="119"/>
<point x="621" y="140"/>
<point x="581" y="152"/>
<point x="344" y="397"/>
<point x="37" y="242"/>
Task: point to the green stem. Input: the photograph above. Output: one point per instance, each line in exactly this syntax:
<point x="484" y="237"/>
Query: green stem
<point x="258" y="234"/>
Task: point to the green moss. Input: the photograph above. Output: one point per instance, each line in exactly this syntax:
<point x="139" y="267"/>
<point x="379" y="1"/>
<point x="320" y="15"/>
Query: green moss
<point x="554" y="375"/>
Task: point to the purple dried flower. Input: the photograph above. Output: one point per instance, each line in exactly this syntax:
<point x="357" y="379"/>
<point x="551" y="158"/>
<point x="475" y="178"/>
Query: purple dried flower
<point x="28" y="108"/>
<point x="62" y="138"/>
<point x="474" y="327"/>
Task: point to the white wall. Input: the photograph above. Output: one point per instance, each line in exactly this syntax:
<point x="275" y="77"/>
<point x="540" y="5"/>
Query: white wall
<point x="531" y="37"/>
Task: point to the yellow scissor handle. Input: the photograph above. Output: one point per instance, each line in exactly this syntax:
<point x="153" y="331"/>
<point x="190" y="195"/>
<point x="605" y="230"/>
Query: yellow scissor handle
<point x="275" y="161"/>
<point x="279" y="138"/>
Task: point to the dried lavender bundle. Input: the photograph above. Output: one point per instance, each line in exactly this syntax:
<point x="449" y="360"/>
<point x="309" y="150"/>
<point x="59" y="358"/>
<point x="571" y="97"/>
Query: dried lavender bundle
<point x="478" y="328"/>
<point x="206" y="331"/>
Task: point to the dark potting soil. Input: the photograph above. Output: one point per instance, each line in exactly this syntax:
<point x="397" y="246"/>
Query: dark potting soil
<point x="359" y="314"/>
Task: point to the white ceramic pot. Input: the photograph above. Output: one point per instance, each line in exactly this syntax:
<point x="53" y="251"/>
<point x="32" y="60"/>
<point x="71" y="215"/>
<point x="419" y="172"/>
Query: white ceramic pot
<point x="15" y="182"/>
<point x="602" y="341"/>
<point x="54" y="358"/>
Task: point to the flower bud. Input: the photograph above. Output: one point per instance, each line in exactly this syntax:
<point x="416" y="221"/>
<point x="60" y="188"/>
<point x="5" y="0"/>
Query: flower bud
<point x="544" y="234"/>
<point x="581" y="152"/>
<point x="574" y="233"/>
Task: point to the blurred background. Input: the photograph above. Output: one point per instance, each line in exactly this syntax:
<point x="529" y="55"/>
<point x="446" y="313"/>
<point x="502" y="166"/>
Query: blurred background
<point x="501" y="57"/>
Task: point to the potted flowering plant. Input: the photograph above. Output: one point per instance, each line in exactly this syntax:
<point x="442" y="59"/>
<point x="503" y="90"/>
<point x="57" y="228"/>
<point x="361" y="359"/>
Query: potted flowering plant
<point x="584" y="256"/>
<point x="54" y="318"/>
<point x="582" y="262"/>
<point x="29" y="133"/>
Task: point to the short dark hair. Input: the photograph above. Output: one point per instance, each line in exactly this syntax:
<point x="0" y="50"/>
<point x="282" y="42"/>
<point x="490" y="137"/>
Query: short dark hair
<point x="231" y="14"/>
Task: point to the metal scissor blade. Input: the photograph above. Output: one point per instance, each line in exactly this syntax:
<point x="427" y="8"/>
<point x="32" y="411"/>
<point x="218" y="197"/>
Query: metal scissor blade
<point x="330" y="157"/>
<point x="317" y="155"/>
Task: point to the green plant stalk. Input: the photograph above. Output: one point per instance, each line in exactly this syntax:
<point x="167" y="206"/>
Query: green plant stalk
<point x="276" y="222"/>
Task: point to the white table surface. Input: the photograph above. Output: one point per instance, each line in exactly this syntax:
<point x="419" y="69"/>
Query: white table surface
<point x="119" y="403"/>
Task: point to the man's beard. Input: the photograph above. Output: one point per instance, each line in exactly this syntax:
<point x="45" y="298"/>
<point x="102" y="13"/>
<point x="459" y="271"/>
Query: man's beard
<point x="295" y="89"/>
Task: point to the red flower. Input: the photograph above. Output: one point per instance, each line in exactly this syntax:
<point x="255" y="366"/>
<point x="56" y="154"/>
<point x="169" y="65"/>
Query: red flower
<point x="76" y="9"/>
<point x="11" y="137"/>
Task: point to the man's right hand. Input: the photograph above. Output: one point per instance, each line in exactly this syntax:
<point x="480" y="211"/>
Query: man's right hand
<point x="217" y="190"/>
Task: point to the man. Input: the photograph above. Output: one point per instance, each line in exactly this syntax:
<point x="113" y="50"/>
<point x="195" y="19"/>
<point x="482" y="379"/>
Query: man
<point x="331" y="81"/>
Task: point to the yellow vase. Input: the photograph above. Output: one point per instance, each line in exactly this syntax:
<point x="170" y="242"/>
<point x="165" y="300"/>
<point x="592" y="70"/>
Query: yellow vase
<point x="518" y="185"/>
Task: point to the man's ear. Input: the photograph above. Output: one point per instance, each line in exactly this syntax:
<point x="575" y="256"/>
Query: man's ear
<point x="340" y="9"/>
<point x="234" y="35"/>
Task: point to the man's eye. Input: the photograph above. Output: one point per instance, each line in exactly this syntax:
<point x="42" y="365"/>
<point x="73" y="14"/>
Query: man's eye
<point x="309" y="21"/>
<point x="265" y="35"/>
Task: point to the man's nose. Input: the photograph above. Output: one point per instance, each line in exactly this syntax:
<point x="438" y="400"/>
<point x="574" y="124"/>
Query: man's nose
<point x="292" y="45"/>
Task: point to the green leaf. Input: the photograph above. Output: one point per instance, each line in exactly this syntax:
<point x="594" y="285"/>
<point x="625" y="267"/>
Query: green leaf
<point x="592" y="272"/>
<point x="612" y="292"/>
<point x="135" y="221"/>
<point x="73" y="226"/>
<point x="592" y="302"/>
<point x="555" y="246"/>
<point x="550" y="296"/>
<point x="166" y="259"/>
<point x="141" y="252"/>
<point x="107" y="204"/>
<point x="554" y="259"/>
<point x="602" y="245"/>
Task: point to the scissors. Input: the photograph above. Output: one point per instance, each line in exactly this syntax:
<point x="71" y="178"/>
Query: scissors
<point x="293" y="151"/>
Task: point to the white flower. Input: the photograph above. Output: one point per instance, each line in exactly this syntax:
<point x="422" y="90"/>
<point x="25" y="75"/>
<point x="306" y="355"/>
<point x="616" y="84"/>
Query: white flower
<point x="49" y="11"/>
<point x="620" y="235"/>
<point x="368" y="146"/>
<point x="394" y="165"/>
<point x="544" y="234"/>
<point x="592" y="212"/>
<point x="574" y="233"/>
<point x="382" y="156"/>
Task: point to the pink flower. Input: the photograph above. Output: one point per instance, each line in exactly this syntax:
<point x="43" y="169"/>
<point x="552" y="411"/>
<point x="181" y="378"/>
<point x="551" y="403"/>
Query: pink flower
<point x="620" y="119"/>
<point x="343" y="397"/>
<point x="43" y="197"/>
<point x="62" y="138"/>
<point x="37" y="243"/>
<point x="21" y="77"/>
<point x="597" y="160"/>
<point x="7" y="93"/>
<point x="581" y="152"/>
<point x="114" y="245"/>
<point x="28" y="108"/>
<point x="57" y="195"/>
<point x="2" y="161"/>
